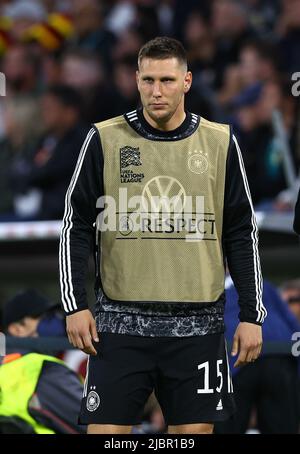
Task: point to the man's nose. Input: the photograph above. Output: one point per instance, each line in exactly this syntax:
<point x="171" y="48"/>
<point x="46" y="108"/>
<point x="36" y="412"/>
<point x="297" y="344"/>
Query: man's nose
<point x="156" y="89"/>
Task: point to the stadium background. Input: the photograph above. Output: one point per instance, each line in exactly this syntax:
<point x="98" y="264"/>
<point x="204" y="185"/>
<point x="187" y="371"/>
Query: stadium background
<point x="243" y="56"/>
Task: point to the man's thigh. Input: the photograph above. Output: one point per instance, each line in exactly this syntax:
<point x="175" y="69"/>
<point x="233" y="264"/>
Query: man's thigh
<point x="108" y="429"/>
<point x="194" y="385"/>
<point x="191" y="429"/>
<point x="118" y="383"/>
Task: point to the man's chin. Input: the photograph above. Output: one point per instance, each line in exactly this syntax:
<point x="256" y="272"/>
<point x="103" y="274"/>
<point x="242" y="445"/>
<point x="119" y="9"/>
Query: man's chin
<point x="159" y="114"/>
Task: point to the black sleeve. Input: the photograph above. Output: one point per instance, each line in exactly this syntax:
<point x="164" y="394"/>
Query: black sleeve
<point x="77" y="235"/>
<point x="240" y="238"/>
<point x="296" y="225"/>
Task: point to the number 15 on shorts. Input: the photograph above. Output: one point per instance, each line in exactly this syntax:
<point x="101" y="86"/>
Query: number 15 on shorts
<point x="220" y="378"/>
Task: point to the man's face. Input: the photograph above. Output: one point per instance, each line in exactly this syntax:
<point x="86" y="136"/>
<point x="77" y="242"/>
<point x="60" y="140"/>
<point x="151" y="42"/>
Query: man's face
<point x="250" y="66"/>
<point x="53" y="112"/>
<point x="292" y="297"/>
<point x="162" y="85"/>
<point x="81" y="74"/>
<point x="27" y="327"/>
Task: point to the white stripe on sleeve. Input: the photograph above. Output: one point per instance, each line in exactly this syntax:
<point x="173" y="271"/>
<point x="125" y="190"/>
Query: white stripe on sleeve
<point x="261" y="310"/>
<point x="66" y="284"/>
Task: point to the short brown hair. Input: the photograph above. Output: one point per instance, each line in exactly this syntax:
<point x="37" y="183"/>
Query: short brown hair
<point x="161" y="48"/>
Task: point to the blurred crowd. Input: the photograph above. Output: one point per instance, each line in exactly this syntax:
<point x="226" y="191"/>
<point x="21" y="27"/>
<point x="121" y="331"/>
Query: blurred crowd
<point x="68" y="63"/>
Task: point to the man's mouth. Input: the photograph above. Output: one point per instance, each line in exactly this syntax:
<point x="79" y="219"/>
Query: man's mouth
<point x="157" y="105"/>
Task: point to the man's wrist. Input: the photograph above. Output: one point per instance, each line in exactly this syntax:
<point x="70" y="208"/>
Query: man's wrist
<point x="79" y="309"/>
<point x="247" y="319"/>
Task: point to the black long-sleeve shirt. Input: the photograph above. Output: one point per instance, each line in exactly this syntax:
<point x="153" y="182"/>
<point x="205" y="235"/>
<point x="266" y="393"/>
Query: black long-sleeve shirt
<point x="240" y="246"/>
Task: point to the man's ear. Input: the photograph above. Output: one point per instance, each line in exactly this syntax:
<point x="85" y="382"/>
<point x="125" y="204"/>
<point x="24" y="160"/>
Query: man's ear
<point x="137" y="78"/>
<point x="188" y="81"/>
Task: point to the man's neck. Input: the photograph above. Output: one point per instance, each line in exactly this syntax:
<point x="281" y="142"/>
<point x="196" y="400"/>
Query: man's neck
<point x="173" y="123"/>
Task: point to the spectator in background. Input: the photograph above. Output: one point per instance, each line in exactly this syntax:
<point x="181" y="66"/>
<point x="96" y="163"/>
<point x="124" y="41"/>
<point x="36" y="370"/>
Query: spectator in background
<point x="128" y="43"/>
<point x="90" y="31"/>
<point x="30" y="314"/>
<point x="230" y="25"/>
<point x="22" y="69"/>
<point x="256" y="65"/>
<point x="270" y="386"/>
<point x="290" y="292"/>
<point x="84" y="72"/>
<point x="201" y="45"/>
<point x="146" y="19"/>
<point x="39" y="393"/>
<point x="253" y="89"/>
<point x="120" y="16"/>
<point x="24" y="14"/>
<point x="258" y="62"/>
<point x="262" y="15"/>
<point x="262" y="157"/>
<point x="125" y="91"/>
<point x="22" y="130"/>
<point x="262" y="153"/>
<point x="52" y="68"/>
<point x="201" y="53"/>
<point x="50" y="169"/>
<point x="166" y="17"/>
<point x="182" y="10"/>
<point x="288" y="28"/>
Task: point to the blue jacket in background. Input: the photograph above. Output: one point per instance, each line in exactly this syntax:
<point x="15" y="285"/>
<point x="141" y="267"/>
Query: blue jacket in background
<point x="279" y="324"/>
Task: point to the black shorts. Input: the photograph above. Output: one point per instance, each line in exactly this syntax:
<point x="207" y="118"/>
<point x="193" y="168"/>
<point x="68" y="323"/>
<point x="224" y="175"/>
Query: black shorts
<point x="190" y="377"/>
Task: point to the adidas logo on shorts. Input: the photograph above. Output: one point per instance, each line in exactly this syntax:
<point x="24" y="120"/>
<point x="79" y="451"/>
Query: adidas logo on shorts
<point x="220" y="405"/>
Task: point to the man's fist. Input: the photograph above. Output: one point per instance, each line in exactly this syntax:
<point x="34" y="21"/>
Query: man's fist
<point x="81" y="330"/>
<point x="247" y="342"/>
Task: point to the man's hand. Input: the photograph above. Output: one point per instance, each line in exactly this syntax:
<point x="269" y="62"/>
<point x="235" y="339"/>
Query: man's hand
<point x="247" y="342"/>
<point x="81" y="330"/>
